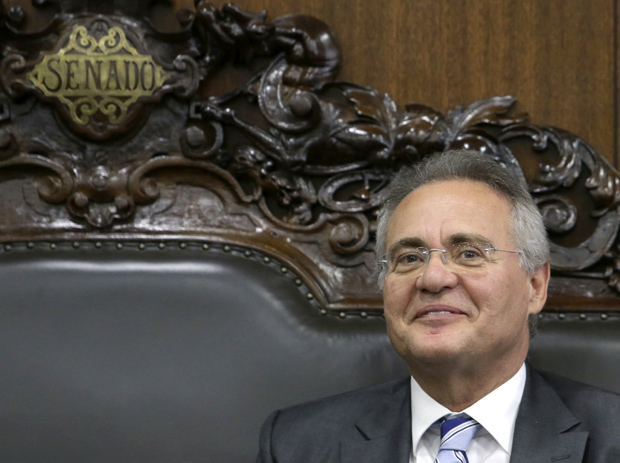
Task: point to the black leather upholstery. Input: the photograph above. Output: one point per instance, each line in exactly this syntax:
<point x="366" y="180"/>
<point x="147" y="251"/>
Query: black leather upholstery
<point x="174" y="355"/>
<point x="164" y="356"/>
<point x="585" y="348"/>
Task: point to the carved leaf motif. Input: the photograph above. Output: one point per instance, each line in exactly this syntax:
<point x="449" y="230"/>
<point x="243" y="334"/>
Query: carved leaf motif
<point x="420" y="129"/>
<point x="287" y="108"/>
<point x="604" y="185"/>
<point x="295" y="191"/>
<point x="562" y="174"/>
<point x="13" y="65"/>
<point x="365" y="137"/>
<point x="8" y="145"/>
<point x="378" y="126"/>
<point x="369" y="195"/>
<point x="492" y="111"/>
<point x="369" y="104"/>
<point x="603" y="182"/>
<point x="559" y="215"/>
<point x="575" y="158"/>
<point x="349" y="235"/>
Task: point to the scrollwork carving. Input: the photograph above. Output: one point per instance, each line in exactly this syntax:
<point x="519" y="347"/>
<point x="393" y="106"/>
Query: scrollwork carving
<point x="303" y="158"/>
<point x="559" y="214"/>
<point x="575" y="159"/>
<point x="349" y="235"/>
<point x="8" y="145"/>
<point x="366" y="195"/>
<point x="5" y="111"/>
<point x="201" y="141"/>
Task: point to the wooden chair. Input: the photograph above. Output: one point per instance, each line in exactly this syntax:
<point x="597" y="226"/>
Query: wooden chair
<point x="187" y="231"/>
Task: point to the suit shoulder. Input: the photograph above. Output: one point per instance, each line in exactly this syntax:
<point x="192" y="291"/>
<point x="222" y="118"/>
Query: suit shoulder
<point x="348" y="405"/>
<point x="555" y="407"/>
<point x="311" y="432"/>
<point x="568" y="388"/>
<point x="590" y="404"/>
<point x="334" y="414"/>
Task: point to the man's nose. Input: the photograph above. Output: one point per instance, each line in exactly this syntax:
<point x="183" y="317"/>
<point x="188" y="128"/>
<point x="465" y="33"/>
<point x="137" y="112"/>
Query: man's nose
<point x="437" y="275"/>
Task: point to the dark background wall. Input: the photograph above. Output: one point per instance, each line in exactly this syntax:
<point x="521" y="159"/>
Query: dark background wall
<point x="557" y="57"/>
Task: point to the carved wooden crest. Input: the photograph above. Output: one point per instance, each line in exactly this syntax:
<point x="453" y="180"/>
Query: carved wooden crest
<point x="111" y="129"/>
<point x="99" y="77"/>
<point x="103" y="77"/>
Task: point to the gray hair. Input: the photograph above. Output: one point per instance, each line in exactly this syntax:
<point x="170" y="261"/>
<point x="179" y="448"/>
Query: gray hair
<point x="527" y="228"/>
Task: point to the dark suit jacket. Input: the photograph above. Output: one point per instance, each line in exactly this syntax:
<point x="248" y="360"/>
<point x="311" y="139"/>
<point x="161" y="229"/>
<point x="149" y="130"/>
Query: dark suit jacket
<point x="559" y="420"/>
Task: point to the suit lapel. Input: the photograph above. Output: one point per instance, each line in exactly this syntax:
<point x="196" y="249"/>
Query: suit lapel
<point x="543" y="428"/>
<point x="384" y="434"/>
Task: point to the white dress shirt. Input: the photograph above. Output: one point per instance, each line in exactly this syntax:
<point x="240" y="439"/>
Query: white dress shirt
<point x="496" y="412"/>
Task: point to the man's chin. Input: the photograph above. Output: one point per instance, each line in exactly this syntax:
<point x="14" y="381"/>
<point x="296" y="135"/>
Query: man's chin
<point x="434" y="353"/>
<point x="437" y="356"/>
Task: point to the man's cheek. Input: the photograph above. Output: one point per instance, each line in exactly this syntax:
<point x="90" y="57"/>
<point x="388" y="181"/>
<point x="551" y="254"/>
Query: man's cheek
<point x="395" y="292"/>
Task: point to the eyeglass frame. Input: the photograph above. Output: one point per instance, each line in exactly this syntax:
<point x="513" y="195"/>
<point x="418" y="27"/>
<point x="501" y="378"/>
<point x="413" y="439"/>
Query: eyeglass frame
<point x="384" y="262"/>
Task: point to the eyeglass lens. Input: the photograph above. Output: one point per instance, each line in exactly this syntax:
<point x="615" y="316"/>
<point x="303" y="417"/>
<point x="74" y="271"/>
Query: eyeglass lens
<point x="462" y="256"/>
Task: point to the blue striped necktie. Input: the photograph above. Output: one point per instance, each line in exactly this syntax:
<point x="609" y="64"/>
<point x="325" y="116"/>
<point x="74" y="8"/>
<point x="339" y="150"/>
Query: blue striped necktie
<point x="456" y="434"/>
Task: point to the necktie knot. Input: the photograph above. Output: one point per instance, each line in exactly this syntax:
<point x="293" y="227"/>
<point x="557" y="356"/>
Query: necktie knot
<point x="456" y="434"/>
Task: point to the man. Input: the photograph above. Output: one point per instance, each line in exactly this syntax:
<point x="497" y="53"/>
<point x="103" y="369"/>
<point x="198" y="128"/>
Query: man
<point x="464" y="267"/>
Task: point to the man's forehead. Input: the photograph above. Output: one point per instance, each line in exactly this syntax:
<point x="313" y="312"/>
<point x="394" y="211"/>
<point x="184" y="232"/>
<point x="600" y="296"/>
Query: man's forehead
<point x="452" y="208"/>
<point x="456" y="194"/>
<point x="461" y="188"/>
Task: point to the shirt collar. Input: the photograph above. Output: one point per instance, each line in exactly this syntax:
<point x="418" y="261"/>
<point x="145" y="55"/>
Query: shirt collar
<point x="424" y="412"/>
<point x="496" y="412"/>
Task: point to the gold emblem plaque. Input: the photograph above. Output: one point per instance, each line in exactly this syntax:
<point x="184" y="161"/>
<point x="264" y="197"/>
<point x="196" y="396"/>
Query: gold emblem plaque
<point x="90" y="76"/>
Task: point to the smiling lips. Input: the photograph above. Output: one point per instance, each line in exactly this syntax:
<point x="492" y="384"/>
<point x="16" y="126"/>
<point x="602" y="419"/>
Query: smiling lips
<point x="435" y="311"/>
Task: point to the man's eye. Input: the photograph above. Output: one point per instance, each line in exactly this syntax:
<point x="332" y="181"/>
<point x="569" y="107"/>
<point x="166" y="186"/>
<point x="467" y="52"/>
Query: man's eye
<point x="407" y="261"/>
<point x="409" y="258"/>
<point x="469" y="255"/>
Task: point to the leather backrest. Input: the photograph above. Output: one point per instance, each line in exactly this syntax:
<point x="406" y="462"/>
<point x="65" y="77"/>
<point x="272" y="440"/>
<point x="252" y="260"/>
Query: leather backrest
<point x="164" y="356"/>
<point x="584" y="347"/>
<point x="132" y="351"/>
<point x="173" y="355"/>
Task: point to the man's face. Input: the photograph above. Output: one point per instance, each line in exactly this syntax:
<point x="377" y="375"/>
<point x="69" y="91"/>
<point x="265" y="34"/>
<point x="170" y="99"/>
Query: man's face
<point x="467" y="319"/>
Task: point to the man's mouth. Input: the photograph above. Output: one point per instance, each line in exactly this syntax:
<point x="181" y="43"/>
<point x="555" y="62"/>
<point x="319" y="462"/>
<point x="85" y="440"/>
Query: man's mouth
<point x="439" y="311"/>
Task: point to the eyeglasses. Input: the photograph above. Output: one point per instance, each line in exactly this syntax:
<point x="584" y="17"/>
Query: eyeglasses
<point x="460" y="257"/>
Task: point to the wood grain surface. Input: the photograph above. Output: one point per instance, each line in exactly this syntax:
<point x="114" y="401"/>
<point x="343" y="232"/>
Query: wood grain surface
<point x="557" y="57"/>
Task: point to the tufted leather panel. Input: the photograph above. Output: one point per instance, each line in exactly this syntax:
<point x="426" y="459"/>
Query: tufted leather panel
<point x="584" y="348"/>
<point x="119" y="356"/>
<point x="164" y="356"/>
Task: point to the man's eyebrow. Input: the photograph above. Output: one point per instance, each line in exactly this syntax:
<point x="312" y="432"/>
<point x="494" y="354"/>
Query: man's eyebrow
<point x="409" y="242"/>
<point x="459" y="238"/>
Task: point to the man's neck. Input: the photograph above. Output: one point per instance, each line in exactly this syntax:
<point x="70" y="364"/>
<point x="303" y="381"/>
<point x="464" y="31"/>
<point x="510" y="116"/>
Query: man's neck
<point x="459" y="388"/>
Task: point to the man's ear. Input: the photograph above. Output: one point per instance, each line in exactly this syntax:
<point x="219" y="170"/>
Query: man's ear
<point x="539" y="282"/>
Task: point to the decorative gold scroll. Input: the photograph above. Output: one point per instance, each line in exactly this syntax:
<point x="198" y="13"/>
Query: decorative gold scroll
<point x="91" y="76"/>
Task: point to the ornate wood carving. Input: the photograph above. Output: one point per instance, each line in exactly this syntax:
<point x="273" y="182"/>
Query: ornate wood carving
<point x="234" y="130"/>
